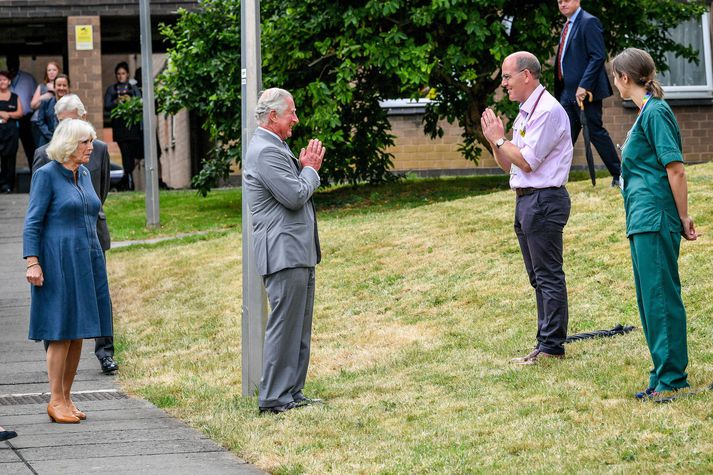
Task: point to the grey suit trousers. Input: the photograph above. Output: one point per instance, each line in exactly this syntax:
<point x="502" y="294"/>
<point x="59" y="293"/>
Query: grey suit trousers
<point x="287" y="336"/>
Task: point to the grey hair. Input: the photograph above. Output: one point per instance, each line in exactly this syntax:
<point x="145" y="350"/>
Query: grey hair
<point x="527" y="60"/>
<point x="273" y="99"/>
<point x="66" y="138"/>
<point x="70" y="103"/>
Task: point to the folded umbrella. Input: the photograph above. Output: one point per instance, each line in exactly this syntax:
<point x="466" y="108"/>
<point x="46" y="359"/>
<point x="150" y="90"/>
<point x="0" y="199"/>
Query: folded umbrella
<point x="587" y="142"/>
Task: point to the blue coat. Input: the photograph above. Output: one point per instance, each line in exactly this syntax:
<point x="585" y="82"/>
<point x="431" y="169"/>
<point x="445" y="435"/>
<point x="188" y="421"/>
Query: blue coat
<point x="60" y="229"/>
<point x="583" y="61"/>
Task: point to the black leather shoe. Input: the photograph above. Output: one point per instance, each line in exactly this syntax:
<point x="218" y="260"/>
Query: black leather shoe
<point x="7" y="435"/>
<point x="108" y="365"/>
<point x="278" y="409"/>
<point x="308" y="401"/>
<point x="5" y="189"/>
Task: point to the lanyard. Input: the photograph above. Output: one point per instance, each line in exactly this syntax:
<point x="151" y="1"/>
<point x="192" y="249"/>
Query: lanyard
<point x="532" y="113"/>
<point x="644" y="103"/>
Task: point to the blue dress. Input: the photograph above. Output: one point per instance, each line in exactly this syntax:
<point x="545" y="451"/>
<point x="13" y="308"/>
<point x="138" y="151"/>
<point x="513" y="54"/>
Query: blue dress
<point x="61" y="230"/>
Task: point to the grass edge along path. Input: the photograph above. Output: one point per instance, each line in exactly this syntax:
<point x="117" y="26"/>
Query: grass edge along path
<point x="419" y="309"/>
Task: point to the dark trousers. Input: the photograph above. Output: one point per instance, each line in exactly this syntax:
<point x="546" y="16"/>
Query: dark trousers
<point x="287" y="336"/>
<point x="598" y="135"/>
<point x="131" y="150"/>
<point x="540" y="218"/>
<point x="8" y="155"/>
<point x="103" y="347"/>
<point x="27" y="139"/>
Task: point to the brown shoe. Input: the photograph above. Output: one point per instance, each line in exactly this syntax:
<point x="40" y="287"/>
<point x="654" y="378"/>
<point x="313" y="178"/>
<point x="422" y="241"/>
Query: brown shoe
<point x="78" y="414"/>
<point x="60" y="417"/>
<point x="523" y="359"/>
<point x="541" y="355"/>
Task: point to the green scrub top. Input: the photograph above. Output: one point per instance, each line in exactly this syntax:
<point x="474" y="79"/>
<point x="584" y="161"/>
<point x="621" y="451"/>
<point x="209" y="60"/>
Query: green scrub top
<point x="654" y="141"/>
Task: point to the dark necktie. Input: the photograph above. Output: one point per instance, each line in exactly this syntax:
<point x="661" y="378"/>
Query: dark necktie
<point x="561" y="50"/>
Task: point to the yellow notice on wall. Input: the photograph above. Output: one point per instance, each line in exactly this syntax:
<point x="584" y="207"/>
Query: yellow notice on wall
<point x="84" y="36"/>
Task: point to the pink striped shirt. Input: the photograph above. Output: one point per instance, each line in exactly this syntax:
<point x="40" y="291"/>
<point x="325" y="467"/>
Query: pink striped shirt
<point x="543" y="136"/>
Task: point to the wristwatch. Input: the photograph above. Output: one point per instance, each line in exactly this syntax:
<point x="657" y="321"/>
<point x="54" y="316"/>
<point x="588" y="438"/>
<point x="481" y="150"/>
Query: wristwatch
<point x="500" y="142"/>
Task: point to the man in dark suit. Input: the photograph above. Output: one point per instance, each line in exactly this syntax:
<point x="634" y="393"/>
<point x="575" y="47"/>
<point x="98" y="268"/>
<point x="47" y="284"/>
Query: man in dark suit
<point x="279" y="190"/>
<point x="579" y="70"/>
<point x="71" y="107"/>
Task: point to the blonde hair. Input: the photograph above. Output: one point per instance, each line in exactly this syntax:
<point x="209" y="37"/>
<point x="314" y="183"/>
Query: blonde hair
<point x="66" y="138"/>
<point x="639" y="66"/>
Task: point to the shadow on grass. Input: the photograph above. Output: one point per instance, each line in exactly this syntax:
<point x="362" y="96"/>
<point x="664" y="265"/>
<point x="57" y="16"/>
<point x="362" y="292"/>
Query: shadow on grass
<point x="182" y="211"/>
<point x="404" y="194"/>
<point x="412" y="193"/>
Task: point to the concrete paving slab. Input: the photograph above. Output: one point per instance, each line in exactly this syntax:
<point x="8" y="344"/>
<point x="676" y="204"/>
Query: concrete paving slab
<point x="94" y="419"/>
<point x="7" y="455"/>
<point x="143" y="436"/>
<point x="157" y="447"/>
<point x="222" y="463"/>
<point x="90" y="407"/>
<point x="14" y="468"/>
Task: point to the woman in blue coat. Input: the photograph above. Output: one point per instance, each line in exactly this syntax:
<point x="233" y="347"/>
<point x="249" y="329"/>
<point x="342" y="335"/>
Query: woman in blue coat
<point x="65" y="262"/>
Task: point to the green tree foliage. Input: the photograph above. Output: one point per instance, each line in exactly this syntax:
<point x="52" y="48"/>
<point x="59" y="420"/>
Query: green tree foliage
<point x="340" y="58"/>
<point x="130" y="111"/>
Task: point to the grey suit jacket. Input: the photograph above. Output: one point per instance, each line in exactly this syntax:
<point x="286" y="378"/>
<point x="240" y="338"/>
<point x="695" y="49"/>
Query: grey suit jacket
<point x="99" y="168"/>
<point x="279" y="193"/>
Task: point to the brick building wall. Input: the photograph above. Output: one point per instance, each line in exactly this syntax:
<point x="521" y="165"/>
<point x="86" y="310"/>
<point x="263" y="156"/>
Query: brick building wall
<point x="416" y="152"/>
<point x="49" y="8"/>
<point x="86" y="68"/>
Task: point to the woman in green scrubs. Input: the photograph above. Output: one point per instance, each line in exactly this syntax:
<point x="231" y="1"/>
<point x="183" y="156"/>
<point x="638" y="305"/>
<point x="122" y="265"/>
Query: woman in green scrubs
<point x="653" y="183"/>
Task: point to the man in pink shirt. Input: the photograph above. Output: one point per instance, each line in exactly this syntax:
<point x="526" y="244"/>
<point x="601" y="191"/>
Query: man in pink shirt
<point x="538" y="159"/>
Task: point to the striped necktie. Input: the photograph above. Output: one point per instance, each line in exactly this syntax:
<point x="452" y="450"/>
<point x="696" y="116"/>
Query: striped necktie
<point x="561" y="50"/>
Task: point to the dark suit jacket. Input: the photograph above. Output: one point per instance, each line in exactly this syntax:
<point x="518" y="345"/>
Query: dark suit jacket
<point x="583" y="61"/>
<point x="99" y="168"/>
<point x="279" y="193"/>
<point x="46" y="120"/>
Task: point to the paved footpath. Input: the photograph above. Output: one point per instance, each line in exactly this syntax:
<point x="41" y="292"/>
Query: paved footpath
<point x="121" y="434"/>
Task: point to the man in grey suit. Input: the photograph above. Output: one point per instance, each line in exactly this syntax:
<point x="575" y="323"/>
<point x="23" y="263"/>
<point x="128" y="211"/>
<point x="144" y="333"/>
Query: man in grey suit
<point x="71" y="107"/>
<point x="279" y="190"/>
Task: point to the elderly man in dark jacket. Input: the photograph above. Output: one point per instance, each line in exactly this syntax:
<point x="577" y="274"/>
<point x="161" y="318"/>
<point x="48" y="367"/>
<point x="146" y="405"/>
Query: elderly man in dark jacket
<point x="71" y="107"/>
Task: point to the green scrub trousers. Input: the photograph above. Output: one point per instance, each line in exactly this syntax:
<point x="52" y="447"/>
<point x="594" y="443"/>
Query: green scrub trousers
<point x="663" y="317"/>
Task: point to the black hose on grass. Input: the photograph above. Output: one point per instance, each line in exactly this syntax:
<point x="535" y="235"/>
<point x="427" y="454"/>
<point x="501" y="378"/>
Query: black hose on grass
<point x="617" y="330"/>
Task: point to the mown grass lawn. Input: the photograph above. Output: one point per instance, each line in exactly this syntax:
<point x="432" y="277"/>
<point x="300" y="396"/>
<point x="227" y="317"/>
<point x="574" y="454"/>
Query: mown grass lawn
<point x="422" y="299"/>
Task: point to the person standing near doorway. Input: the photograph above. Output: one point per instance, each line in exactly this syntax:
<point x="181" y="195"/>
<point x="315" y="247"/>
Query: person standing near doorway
<point x="128" y="137"/>
<point x="10" y="112"/>
<point x="23" y="84"/>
